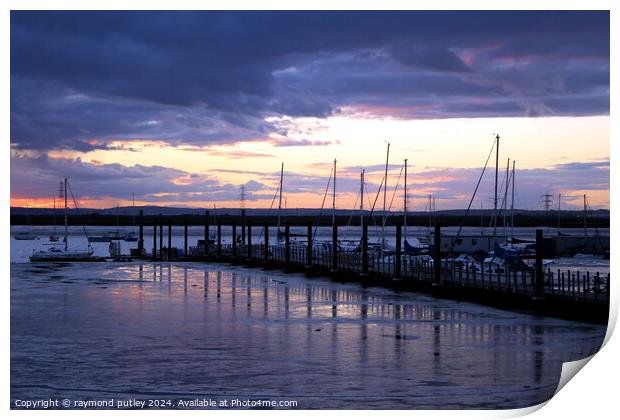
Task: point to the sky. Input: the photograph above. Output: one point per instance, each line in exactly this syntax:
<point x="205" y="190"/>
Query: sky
<point x="185" y="108"/>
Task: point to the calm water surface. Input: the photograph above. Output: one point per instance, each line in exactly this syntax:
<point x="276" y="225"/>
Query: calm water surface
<point x="131" y="330"/>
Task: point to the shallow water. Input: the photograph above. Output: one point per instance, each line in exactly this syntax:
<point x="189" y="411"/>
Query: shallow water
<point x="184" y="331"/>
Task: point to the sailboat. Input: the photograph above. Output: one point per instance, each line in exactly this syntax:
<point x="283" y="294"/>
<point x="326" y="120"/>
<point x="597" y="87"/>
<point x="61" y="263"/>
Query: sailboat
<point x="54" y="236"/>
<point x="25" y="235"/>
<point x="414" y="246"/>
<point x="63" y="253"/>
<point x="113" y="235"/>
<point x="385" y="244"/>
<point x="131" y="235"/>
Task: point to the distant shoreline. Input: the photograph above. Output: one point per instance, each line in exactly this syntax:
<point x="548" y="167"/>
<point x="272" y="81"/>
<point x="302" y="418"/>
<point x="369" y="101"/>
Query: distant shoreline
<point x="194" y="217"/>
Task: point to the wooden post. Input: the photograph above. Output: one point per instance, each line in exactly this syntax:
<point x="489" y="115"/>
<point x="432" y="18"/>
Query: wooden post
<point x="266" y="250"/>
<point x="538" y="286"/>
<point x="206" y="234"/>
<point x="309" y="247"/>
<point x="161" y="239"/>
<point x="397" y="257"/>
<point x="185" y="245"/>
<point x="287" y="243"/>
<point x="335" y="247"/>
<point x="365" y="248"/>
<point x="437" y="255"/>
<point x="169" y="239"/>
<point x="234" y="239"/>
<point x="219" y="238"/>
<point x="249" y="241"/>
<point x="154" y="241"/>
<point x="141" y="234"/>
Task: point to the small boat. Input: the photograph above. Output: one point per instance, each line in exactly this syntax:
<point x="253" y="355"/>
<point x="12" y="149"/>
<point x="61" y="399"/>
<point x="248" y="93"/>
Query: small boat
<point x="25" y="236"/>
<point x="63" y="253"/>
<point x="109" y="237"/>
<point x="415" y="247"/>
<point x="514" y="252"/>
<point x="59" y="254"/>
<point x="103" y="238"/>
<point x="130" y="237"/>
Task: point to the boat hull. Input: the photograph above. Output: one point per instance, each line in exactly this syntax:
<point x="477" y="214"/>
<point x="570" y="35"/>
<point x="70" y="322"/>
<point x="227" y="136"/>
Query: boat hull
<point x="62" y="256"/>
<point x="25" y="237"/>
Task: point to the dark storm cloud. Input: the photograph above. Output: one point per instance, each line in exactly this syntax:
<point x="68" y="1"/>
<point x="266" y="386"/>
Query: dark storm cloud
<point x="212" y="77"/>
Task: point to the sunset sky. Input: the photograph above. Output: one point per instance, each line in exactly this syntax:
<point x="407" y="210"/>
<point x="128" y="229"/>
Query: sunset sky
<point x="182" y="108"/>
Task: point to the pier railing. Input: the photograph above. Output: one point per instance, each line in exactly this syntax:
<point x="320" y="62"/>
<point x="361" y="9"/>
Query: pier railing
<point x="428" y="272"/>
<point x="557" y="284"/>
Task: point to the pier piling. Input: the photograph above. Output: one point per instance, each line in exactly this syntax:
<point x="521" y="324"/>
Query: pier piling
<point x="234" y="239"/>
<point x="397" y="257"/>
<point x="365" y="248"/>
<point x="206" y="234"/>
<point x="309" y="247"/>
<point x="249" y="241"/>
<point x="185" y="245"/>
<point x="154" y="256"/>
<point x="287" y="244"/>
<point x="161" y="239"/>
<point x="437" y="256"/>
<point x="141" y="234"/>
<point x="335" y="247"/>
<point x="219" y="238"/>
<point x="266" y="248"/>
<point x="539" y="281"/>
<point x="169" y="239"/>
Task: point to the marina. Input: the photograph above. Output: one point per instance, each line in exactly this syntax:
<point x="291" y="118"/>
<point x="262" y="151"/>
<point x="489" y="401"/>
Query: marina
<point x="308" y="209"/>
<point x="577" y="288"/>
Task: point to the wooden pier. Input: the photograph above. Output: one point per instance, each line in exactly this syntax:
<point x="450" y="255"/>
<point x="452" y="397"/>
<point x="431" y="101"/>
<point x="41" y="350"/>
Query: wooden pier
<point x="573" y="295"/>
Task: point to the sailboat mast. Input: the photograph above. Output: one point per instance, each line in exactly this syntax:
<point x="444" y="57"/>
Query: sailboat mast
<point x="405" y="204"/>
<point x="512" y="202"/>
<point x="280" y="199"/>
<point x="585" y="217"/>
<point x="66" y="218"/>
<point x="133" y="205"/>
<point x="559" y="209"/>
<point x="505" y="203"/>
<point x="362" y="199"/>
<point x="430" y="215"/>
<point x="387" y="159"/>
<point x="54" y="215"/>
<point x="496" y="174"/>
<point x="334" y="197"/>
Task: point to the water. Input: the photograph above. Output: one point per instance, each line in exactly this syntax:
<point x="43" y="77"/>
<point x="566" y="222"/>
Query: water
<point x="184" y="331"/>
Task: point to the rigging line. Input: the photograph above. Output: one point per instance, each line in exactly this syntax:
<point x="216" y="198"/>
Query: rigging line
<point x="591" y="214"/>
<point x="375" y="202"/>
<point x="77" y="210"/>
<point x="396" y="187"/>
<point x="318" y="219"/>
<point x="268" y="213"/>
<point x="370" y="215"/>
<point x="353" y="210"/>
<point x="458" y="234"/>
<point x="501" y="207"/>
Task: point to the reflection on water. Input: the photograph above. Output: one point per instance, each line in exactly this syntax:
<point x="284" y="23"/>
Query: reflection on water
<point x="193" y="331"/>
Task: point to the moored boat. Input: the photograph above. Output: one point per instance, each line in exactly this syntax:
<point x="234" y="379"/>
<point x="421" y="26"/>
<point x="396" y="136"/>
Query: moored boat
<point x="63" y="253"/>
<point x="25" y="236"/>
